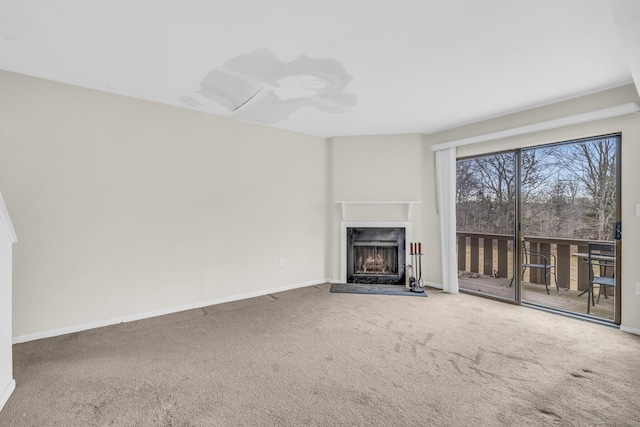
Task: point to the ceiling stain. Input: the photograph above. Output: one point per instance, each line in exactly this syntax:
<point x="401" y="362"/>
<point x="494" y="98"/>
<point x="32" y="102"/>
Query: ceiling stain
<point x="259" y="87"/>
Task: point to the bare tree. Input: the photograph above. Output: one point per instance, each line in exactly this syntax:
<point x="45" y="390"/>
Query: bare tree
<point x="466" y="189"/>
<point x="566" y="191"/>
<point x="497" y="177"/>
<point x="593" y="165"/>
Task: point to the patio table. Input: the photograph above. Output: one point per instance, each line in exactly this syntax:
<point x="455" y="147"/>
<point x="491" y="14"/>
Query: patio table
<point x="585" y="256"/>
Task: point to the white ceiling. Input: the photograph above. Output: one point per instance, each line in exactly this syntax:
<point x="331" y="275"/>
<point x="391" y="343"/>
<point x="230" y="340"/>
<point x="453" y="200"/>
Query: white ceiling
<point x="334" y="67"/>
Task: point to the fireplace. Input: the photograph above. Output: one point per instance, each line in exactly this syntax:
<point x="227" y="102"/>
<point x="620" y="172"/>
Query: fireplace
<point x="375" y="255"/>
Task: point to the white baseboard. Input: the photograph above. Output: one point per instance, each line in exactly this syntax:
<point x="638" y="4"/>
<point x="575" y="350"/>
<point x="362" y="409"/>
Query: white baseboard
<point x="7" y="393"/>
<point x="630" y="330"/>
<point x="132" y="318"/>
<point x="434" y="285"/>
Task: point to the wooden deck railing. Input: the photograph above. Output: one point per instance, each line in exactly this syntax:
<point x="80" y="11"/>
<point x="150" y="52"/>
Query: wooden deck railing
<point x="498" y="260"/>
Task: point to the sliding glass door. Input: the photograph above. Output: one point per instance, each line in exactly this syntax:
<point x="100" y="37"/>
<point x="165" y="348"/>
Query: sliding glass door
<point x="553" y="213"/>
<point x="569" y="198"/>
<point x="485" y="219"/>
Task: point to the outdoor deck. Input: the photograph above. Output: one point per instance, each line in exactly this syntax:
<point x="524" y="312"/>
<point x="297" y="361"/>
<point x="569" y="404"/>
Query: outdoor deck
<point x="484" y="256"/>
<point x="568" y="300"/>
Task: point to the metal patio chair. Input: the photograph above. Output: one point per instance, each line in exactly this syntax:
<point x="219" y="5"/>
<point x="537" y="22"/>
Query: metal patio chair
<point x="602" y="263"/>
<point x="545" y="261"/>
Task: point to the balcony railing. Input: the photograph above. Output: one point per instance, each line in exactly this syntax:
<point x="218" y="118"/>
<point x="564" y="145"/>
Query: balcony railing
<point x="473" y="257"/>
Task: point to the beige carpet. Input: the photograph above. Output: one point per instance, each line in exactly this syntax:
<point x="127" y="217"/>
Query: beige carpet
<point x="311" y="357"/>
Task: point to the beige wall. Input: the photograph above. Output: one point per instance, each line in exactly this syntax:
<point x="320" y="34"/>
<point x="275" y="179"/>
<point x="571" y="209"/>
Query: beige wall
<point x="376" y="168"/>
<point x="430" y="218"/>
<point x="126" y="207"/>
<point x="628" y="125"/>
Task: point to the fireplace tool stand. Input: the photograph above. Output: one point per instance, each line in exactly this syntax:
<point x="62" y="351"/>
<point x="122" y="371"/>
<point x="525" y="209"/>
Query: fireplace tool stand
<point x="415" y="283"/>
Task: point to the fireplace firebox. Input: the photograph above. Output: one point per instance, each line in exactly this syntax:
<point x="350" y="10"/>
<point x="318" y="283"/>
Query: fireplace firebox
<point x="375" y="255"/>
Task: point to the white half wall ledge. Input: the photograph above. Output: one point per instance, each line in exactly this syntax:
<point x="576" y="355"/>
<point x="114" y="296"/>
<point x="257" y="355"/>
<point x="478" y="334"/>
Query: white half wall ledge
<point x="147" y="315"/>
<point x="605" y="113"/>
<point x="6" y="394"/>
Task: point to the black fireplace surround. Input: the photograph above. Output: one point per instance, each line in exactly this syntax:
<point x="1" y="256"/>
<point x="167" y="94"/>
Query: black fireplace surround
<point x="375" y="255"/>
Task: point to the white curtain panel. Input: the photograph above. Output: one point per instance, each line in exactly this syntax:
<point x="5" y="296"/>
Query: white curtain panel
<point x="446" y="189"/>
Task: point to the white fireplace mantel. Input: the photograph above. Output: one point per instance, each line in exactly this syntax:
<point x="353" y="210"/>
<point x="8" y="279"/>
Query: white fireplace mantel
<point x="344" y="204"/>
